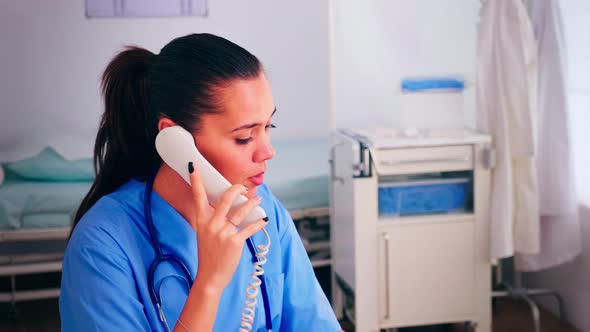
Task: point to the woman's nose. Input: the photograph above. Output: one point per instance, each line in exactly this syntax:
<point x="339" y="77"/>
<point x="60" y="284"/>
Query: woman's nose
<point x="264" y="152"/>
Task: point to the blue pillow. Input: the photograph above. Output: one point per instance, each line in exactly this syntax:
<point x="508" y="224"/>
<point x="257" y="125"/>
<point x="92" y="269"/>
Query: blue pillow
<point x="49" y="165"/>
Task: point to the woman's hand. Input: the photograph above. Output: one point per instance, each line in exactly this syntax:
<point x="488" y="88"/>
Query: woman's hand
<point x="220" y="246"/>
<point x="219" y="241"/>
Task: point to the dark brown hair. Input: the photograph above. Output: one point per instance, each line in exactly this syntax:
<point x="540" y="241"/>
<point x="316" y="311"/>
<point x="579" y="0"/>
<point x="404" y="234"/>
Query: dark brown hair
<point x="140" y="87"/>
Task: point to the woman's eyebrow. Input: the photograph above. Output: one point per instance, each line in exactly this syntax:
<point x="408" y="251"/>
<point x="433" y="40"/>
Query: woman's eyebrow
<point x="252" y="125"/>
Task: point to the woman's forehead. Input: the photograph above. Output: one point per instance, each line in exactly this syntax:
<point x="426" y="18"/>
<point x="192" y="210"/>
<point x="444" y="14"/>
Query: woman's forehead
<point x="242" y="99"/>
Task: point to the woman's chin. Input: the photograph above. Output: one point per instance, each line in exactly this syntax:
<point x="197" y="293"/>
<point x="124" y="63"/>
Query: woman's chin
<point x="251" y="190"/>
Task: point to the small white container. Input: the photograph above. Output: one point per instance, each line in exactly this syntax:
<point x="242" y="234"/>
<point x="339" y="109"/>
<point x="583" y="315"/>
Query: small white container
<point x="432" y="109"/>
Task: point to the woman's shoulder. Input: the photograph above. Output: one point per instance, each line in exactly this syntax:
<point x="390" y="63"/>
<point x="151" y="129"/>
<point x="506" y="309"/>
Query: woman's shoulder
<point x="108" y="221"/>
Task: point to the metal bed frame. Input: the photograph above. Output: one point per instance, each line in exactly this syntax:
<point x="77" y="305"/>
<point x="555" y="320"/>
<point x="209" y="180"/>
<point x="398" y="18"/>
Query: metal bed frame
<point x="14" y="263"/>
<point x="319" y="248"/>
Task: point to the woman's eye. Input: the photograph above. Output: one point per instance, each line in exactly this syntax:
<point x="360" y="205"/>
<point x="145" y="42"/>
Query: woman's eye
<point x="243" y="141"/>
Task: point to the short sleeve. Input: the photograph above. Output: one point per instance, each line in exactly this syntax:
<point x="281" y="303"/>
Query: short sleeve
<point x="98" y="291"/>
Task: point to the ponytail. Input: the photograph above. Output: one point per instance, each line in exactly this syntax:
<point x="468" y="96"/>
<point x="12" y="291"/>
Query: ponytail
<point x="124" y="146"/>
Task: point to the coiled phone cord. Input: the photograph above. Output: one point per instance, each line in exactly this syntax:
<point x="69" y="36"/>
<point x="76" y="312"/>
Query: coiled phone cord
<point x="249" y="311"/>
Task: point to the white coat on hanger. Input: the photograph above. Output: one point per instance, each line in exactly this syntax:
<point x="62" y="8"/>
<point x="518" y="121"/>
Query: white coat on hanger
<point x="560" y="227"/>
<point x="506" y="102"/>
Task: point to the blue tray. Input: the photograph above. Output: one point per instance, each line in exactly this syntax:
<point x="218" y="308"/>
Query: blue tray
<point x="422" y="197"/>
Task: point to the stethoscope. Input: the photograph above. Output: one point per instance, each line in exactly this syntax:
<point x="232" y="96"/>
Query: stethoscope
<point x="160" y="258"/>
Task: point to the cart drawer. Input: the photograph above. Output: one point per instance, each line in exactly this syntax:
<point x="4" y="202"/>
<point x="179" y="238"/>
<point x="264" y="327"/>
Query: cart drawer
<point x="424" y="160"/>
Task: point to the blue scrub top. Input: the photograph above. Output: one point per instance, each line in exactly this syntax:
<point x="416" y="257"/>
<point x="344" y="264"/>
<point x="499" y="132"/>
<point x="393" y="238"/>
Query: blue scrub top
<point x="104" y="282"/>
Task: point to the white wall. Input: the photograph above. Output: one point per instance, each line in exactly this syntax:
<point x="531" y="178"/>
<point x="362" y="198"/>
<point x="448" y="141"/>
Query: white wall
<point x="51" y="58"/>
<point x="572" y="280"/>
<point x="374" y="43"/>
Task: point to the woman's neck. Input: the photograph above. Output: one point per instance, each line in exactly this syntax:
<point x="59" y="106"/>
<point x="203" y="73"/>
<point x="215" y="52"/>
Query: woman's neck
<point x="175" y="191"/>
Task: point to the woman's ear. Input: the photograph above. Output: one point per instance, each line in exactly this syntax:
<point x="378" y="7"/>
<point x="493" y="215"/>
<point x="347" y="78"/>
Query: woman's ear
<point x="165" y="123"/>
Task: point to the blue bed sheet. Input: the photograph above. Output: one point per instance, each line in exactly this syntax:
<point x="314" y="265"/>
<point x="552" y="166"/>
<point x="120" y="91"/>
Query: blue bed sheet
<point x="32" y="204"/>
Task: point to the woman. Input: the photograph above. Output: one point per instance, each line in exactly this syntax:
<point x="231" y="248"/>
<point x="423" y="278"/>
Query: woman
<point x="218" y="92"/>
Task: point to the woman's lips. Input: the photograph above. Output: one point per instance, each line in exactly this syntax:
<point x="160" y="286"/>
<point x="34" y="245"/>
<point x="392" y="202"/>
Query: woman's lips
<point x="257" y="179"/>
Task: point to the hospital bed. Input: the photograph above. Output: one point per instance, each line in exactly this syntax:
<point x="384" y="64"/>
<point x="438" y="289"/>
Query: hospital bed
<point x="35" y="216"/>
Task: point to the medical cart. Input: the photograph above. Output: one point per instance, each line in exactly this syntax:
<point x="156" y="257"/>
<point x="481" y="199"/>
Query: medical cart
<point x="409" y="228"/>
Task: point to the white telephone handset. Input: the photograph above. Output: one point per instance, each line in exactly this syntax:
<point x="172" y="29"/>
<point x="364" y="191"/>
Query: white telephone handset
<point x="177" y="147"/>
